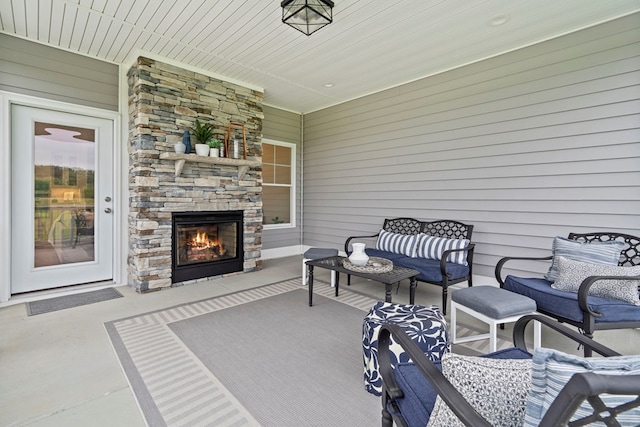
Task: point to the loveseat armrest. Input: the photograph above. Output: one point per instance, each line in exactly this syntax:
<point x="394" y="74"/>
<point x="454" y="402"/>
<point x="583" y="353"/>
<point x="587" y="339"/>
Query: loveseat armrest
<point x="449" y="394"/>
<point x="443" y="259"/>
<point x="349" y="239"/>
<point x="503" y="261"/>
<point x="521" y="325"/>
<point x="583" y="291"/>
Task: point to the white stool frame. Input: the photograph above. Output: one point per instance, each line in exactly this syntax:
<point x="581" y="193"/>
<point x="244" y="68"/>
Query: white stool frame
<point x="305" y="274"/>
<point x="493" y="324"/>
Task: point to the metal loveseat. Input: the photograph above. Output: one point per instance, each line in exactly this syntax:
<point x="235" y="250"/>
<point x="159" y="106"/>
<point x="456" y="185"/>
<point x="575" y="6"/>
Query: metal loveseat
<point x="440" y="250"/>
<point x="509" y="387"/>
<point x="583" y="307"/>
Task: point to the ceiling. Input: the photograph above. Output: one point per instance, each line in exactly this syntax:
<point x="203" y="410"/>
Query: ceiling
<point x="371" y="45"/>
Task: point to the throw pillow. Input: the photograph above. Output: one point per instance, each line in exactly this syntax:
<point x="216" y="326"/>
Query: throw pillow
<point x="594" y="252"/>
<point x="397" y="243"/>
<point x="431" y="247"/>
<point x="552" y="369"/>
<point x="496" y="388"/>
<point x="571" y="274"/>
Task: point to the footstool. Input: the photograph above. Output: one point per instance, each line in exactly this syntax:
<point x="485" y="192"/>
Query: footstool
<point x="491" y="305"/>
<point x="425" y="325"/>
<point x="317" y="253"/>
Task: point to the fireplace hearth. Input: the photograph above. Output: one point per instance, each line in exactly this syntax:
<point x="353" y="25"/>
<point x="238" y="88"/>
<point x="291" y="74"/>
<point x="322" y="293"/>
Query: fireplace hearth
<point x="206" y="244"/>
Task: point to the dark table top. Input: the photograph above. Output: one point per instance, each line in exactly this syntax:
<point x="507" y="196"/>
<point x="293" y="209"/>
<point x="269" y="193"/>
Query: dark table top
<point x="394" y="276"/>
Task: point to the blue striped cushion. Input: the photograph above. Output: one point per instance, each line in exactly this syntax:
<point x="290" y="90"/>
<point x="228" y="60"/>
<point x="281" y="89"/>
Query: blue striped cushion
<point x="431" y="247"/>
<point x="594" y="252"/>
<point x="397" y="243"/>
<point x="552" y="369"/>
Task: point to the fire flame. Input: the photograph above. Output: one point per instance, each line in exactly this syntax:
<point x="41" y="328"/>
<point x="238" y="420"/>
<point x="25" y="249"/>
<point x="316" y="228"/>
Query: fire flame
<point x="202" y="242"/>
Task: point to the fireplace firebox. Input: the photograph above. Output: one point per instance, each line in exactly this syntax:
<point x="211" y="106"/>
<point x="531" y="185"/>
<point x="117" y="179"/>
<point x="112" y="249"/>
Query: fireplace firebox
<point x="206" y="244"/>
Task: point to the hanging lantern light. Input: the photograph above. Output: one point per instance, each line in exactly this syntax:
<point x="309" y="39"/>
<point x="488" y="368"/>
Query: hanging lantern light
<point x="307" y="16"/>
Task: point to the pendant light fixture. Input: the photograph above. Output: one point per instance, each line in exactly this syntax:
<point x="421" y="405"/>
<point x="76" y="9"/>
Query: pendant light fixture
<point x="307" y="16"/>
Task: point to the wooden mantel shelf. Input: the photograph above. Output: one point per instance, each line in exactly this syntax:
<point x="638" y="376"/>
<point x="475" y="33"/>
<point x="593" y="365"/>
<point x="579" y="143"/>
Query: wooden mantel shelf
<point x="180" y="159"/>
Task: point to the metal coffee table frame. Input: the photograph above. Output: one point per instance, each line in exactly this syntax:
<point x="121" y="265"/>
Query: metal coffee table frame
<point x="394" y="276"/>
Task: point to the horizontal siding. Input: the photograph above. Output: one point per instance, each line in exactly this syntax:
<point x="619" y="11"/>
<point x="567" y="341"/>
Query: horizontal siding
<point x="284" y="126"/>
<point x="532" y="144"/>
<point x="34" y="69"/>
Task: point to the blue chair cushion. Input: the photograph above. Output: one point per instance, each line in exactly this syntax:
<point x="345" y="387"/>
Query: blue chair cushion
<point x="493" y="302"/>
<point x="384" y="254"/>
<point x="419" y="397"/>
<point x="565" y="304"/>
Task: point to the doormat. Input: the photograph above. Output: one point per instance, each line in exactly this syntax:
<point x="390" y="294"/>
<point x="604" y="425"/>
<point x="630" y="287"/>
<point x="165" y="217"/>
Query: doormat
<point x="69" y="301"/>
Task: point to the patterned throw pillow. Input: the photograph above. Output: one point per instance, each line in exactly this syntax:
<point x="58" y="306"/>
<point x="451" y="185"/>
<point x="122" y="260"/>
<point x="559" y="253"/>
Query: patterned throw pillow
<point x="496" y="388"/>
<point x="552" y="369"/>
<point x="397" y="243"/>
<point x="594" y="252"/>
<point x="431" y="247"/>
<point x="571" y="274"/>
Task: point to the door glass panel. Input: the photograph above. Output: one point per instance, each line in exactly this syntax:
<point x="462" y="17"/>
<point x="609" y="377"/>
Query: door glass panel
<point x="64" y="169"/>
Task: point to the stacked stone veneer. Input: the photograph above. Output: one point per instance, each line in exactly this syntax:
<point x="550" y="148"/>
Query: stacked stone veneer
<point x="164" y="101"/>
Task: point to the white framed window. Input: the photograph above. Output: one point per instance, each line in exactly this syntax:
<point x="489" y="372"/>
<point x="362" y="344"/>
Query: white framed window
<point x="278" y="184"/>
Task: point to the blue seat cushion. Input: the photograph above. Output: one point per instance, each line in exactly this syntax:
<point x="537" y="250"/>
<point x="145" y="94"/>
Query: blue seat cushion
<point x="419" y="397"/>
<point x="565" y="304"/>
<point x="430" y="268"/>
<point x="383" y="254"/>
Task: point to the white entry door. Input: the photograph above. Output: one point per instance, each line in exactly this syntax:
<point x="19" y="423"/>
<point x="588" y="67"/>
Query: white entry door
<point x="61" y="199"/>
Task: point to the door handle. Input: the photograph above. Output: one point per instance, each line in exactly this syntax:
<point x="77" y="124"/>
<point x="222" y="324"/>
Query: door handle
<point x="108" y="210"/>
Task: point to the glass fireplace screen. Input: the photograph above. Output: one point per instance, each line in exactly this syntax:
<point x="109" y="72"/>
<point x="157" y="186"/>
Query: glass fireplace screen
<point x="206" y="243"/>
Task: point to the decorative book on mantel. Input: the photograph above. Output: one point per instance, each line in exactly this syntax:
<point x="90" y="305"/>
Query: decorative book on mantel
<point x="180" y="159"/>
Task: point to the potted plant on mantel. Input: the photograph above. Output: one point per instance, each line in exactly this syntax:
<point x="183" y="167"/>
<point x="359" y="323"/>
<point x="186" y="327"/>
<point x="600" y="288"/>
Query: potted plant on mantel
<point x="203" y="133"/>
<point x="214" y="147"/>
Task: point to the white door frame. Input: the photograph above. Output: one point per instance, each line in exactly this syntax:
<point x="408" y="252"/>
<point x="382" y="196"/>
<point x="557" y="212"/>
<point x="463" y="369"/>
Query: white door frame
<point x="6" y="101"/>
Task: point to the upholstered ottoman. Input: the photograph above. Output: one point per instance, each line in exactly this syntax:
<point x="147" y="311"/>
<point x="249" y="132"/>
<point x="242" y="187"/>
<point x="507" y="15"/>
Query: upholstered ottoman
<point x="491" y="305"/>
<point x="317" y="253"/>
<point x="425" y="325"/>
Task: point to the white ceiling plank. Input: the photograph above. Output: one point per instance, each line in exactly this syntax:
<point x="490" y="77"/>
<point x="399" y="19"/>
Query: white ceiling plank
<point x="110" y="38"/>
<point x="55" y="29"/>
<point x="68" y="24"/>
<point x="100" y="31"/>
<point x="122" y="36"/>
<point x="159" y="15"/>
<point x="99" y="5"/>
<point x="128" y="45"/>
<point x="6" y="17"/>
<point x="79" y="29"/>
<point x="32" y="11"/>
<point x="124" y="10"/>
<point x="44" y="20"/>
<point x="137" y="9"/>
<point x="19" y="17"/>
<point x="93" y="20"/>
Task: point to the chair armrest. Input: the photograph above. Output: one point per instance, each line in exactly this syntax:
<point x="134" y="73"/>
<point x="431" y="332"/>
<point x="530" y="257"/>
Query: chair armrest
<point x="445" y="255"/>
<point x="588" y="386"/>
<point x="583" y="291"/>
<point x="443" y="387"/>
<point x="348" y="241"/>
<point x="503" y="261"/>
<point x="521" y="324"/>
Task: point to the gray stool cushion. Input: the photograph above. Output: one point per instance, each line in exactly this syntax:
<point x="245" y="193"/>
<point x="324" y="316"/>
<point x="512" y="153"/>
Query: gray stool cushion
<point x="317" y="253"/>
<point x="496" y="303"/>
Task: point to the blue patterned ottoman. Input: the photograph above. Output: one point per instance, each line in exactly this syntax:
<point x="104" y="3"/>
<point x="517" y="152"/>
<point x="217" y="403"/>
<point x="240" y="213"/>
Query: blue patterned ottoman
<point x="425" y="325"/>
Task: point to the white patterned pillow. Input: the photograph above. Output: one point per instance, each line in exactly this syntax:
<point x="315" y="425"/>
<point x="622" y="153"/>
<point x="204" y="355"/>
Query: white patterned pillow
<point x="594" y="252"/>
<point x="496" y="388"/>
<point x="552" y="369"/>
<point x="571" y="274"/>
<point x="397" y="243"/>
<point x="431" y="247"/>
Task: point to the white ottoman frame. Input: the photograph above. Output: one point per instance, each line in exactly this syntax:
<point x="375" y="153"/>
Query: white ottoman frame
<point x="493" y="324"/>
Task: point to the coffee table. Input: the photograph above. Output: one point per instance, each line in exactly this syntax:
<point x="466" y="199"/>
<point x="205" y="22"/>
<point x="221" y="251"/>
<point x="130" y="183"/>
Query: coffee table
<point x="394" y="276"/>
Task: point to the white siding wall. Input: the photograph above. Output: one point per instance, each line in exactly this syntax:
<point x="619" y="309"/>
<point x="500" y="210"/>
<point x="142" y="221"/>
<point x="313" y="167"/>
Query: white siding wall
<point x="284" y="126"/>
<point x="526" y="146"/>
<point x="34" y="69"/>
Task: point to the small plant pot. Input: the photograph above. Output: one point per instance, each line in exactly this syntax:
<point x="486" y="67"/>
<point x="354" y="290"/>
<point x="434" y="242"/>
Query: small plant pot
<point x="214" y="152"/>
<point x="180" y="148"/>
<point x="202" y="149"/>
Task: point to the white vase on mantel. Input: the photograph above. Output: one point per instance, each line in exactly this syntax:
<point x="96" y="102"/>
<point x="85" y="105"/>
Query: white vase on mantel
<point x="358" y="256"/>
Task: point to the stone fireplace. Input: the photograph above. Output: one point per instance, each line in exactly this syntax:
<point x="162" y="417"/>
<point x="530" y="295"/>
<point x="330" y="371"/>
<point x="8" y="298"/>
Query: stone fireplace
<point x="164" y="101"/>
